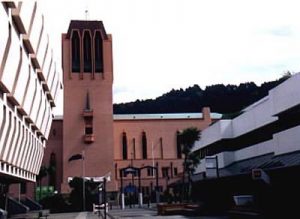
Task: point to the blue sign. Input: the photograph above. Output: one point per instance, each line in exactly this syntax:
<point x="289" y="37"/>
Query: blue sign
<point x="130" y="188"/>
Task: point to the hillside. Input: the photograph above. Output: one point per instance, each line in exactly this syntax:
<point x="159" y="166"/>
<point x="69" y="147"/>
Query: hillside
<point x="219" y="97"/>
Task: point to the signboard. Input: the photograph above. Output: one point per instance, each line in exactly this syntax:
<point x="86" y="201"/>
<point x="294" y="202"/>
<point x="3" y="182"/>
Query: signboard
<point x="130" y="170"/>
<point x="259" y="174"/>
<point x="130" y="188"/>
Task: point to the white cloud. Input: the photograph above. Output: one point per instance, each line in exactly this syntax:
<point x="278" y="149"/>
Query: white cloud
<point x="165" y="44"/>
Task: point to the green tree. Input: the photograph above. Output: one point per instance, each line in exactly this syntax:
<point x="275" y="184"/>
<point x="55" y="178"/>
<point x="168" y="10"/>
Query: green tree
<point x="76" y="195"/>
<point x="42" y="173"/>
<point x="187" y="139"/>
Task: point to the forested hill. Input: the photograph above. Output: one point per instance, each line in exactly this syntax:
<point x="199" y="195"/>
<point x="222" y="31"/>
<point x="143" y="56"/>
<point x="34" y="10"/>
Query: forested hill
<point x="220" y="98"/>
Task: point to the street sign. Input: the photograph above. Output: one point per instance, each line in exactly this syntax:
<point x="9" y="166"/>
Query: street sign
<point x="259" y="174"/>
<point x="130" y="189"/>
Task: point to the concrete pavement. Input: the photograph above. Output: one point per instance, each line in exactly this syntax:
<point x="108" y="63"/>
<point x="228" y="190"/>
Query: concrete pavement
<point x="143" y="213"/>
<point x="128" y="213"/>
<point x="74" y="215"/>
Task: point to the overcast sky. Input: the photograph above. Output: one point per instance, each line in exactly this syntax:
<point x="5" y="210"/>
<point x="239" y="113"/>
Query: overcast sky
<point x="163" y="44"/>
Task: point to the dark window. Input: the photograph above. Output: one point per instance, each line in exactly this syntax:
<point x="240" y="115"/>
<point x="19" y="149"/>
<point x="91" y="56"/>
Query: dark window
<point x="54" y="132"/>
<point x="98" y="53"/>
<point x="178" y="145"/>
<point x="165" y="171"/>
<point x="124" y="146"/>
<point x="150" y="171"/>
<point x="88" y="130"/>
<point x="175" y="171"/>
<point x="133" y="146"/>
<point x="144" y="145"/>
<point x="121" y="173"/>
<point x="75" y="52"/>
<point x="161" y="148"/>
<point x="23" y="188"/>
<point x="87" y="48"/>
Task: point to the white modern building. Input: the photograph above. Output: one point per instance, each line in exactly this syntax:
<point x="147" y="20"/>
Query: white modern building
<point x="269" y="126"/>
<point x="29" y="85"/>
<point x="264" y="137"/>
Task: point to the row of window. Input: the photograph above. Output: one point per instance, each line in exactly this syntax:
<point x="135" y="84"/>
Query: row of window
<point x="166" y="172"/>
<point x="125" y="147"/>
<point x="92" y="52"/>
<point x="144" y="147"/>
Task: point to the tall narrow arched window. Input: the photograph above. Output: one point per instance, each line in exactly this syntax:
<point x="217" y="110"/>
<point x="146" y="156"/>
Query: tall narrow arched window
<point x="87" y="52"/>
<point x="98" y="52"/>
<point x="75" y="52"/>
<point x="161" y="148"/>
<point x="124" y="146"/>
<point x="144" y="145"/>
<point x="133" y="148"/>
<point x="178" y="145"/>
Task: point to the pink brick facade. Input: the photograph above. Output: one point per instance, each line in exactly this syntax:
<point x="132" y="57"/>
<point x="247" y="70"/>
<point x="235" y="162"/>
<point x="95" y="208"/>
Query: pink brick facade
<point x="82" y="87"/>
<point x="161" y="138"/>
<point x="89" y="127"/>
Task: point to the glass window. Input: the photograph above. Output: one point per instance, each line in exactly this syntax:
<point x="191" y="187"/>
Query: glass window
<point x="124" y="146"/>
<point x="87" y="48"/>
<point x="150" y="171"/>
<point x="178" y="145"/>
<point x="144" y="145"/>
<point x="175" y="171"/>
<point x="88" y="130"/>
<point x="75" y="52"/>
<point x="161" y="148"/>
<point x="133" y="146"/>
<point x="165" y="171"/>
<point x="98" y="53"/>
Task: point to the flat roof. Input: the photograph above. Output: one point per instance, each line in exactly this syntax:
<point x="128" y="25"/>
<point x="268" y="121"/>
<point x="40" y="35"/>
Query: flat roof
<point x="157" y="116"/>
<point x="164" y="116"/>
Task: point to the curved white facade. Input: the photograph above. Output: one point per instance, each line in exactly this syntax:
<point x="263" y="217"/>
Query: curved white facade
<point x="29" y="85"/>
<point x="269" y="126"/>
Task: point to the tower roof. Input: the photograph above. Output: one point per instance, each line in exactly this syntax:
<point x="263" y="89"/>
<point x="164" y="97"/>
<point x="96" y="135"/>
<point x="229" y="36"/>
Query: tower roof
<point x="82" y="25"/>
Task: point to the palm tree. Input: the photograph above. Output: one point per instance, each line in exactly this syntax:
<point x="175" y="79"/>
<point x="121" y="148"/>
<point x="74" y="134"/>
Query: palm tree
<point x="187" y="139"/>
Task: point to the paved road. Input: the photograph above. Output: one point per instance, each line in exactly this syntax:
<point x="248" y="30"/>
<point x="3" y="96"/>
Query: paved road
<point x="134" y="213"/>
<point x="75" y="215"/>
<point x="142" y="213"/>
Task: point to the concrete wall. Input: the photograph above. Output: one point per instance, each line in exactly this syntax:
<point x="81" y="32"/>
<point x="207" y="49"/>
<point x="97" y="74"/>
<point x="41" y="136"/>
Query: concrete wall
<point x="287" y="141"/>
<point x="217" y="131"/>
<point x="259" y="114"/>
<point x="286" y="95"/>
<point x="26" y="102"/>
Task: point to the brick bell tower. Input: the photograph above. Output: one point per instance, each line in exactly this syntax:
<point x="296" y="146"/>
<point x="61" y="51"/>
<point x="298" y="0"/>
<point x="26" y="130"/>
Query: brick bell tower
<point x="88" y="111"/>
